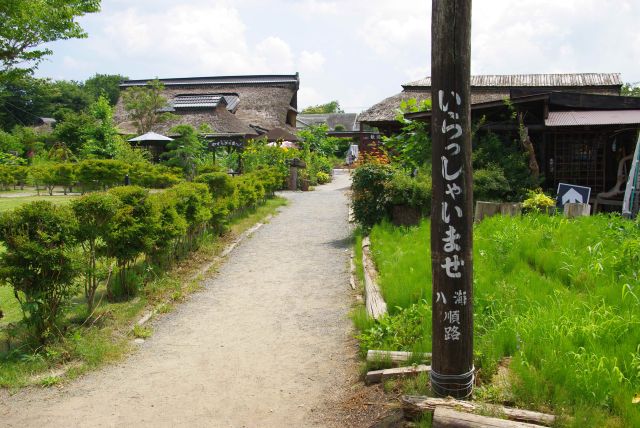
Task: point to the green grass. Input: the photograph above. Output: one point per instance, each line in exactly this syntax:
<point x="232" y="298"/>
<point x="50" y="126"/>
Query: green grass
<point x="11" y="203"/>
<point x="561" y="297"/>
<point x="106" y="336"/>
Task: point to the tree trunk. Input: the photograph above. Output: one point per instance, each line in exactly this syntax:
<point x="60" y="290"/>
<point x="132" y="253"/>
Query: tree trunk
<point x="528" y="146"/>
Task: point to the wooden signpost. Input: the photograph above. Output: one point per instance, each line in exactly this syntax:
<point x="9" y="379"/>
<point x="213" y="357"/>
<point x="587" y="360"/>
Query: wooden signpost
<point x="452" y="371"/>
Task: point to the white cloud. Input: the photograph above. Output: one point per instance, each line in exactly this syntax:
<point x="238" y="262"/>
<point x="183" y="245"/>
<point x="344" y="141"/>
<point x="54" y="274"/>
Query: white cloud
<point x="312" y="62"/>
<point x="195" y="40"/>
<point x="308" y="96"/>
<point x="319" y="7"/>
<point x="274" y="56"/>
<point x="390" y="28"/>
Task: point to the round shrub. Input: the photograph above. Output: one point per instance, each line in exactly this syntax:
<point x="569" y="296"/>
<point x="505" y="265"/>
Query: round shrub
<point x="132" y="230"/>
<point x="369" y="195"/>
<point x="94" y="213"/>
<point x="38" y="262"/>
<point x="323" y="177"/>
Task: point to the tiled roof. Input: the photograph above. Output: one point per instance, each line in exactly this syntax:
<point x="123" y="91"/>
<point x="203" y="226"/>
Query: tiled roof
<point x="593" y="117"/>
<point x="221" y="80"/>
<point x="197" y="101"/>
<point x="541" y="80"/>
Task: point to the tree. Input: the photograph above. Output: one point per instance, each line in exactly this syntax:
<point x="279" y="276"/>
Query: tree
<point x="38" y="262"/>
<point x="22" y="100"/>
<point x="411" y="147"/>
<point x="100" y="173"/>
<point x="144" y="105"/>
<point x="132" y="231"/>
<point x="107" y="85"/>
<point x="185" y="151"/>
<point x="330" y="107"/>
<point x="101" y="140"/>
<point x="94" y="213"/>
<point x="631" y="89"/>
<point x="25" y="25"/>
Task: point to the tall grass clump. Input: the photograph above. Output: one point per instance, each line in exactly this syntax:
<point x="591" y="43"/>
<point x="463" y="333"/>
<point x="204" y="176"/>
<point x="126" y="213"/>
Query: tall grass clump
<point x="560" y="297"/>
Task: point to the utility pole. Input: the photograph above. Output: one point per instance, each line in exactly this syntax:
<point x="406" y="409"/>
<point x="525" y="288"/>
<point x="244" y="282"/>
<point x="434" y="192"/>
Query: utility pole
<point x="452" y="371"/>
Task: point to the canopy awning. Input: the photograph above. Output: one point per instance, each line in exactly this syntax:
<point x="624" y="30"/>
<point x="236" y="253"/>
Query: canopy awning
<point x="150" y="136"/>
<point x="281" y="134"/>
<point x="593" y="117"/>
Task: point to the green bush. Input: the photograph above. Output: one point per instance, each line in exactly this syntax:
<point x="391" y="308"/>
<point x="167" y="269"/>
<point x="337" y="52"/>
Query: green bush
<point x="323" y="178"/>
<point x="150" y="176"/>
<point x="507" y="176"/>
<point x="65" y="176"/>
<point x="94" y="213"/>
<point x="222" y="190"/>
<point x="414" y="192"/>
<point x="220" y="184"/>
<point x="7" y="178"/>
<point x="490" y="184"/>
<point x="248" y="191"/>
<point x="537" y="202"/>
<point x="100" y="173"/>
<point x="171" y="227"/>
<point x="132" y="231"/>
<point x="369" y="193"/>
<point x="44" y="174"/>
<point x="193" y="203"/>
<point x="257" y="154"/>
<point x="20" y="175"/>
<point x="38" y="262"/>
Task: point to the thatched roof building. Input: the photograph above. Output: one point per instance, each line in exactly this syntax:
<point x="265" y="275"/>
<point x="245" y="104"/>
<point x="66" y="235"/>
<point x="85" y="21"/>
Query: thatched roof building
<point x="239" y="106"/>
<point x="485" y="88"/>
<point x="344" y="121"/>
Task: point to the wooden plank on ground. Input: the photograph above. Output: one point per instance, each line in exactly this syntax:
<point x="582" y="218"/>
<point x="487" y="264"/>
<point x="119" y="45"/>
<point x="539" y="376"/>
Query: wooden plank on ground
<point x="444" y="417"/>
<point x="377" y="376"/>
<point x="352" y="272"/>
<point x="376" y="306"/>
<point x="415" y="406"/>
<point x="395" y="357"/>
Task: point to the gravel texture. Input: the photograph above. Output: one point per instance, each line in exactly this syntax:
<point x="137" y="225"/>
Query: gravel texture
<point x="267" y="343"/>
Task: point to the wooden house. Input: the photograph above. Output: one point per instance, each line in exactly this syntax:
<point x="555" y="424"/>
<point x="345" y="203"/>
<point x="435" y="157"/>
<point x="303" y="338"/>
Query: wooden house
<point x="231" y="108"/>
<point x="485" y="88"/>
<point x="578" y="138"/>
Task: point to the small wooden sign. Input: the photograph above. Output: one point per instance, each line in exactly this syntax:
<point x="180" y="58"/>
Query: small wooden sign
<point x="226" y="143"/>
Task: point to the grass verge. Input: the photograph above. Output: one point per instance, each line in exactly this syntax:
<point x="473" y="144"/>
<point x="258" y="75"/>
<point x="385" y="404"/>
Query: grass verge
<point x="106" y="336"/>
<point x="558" y="300"/>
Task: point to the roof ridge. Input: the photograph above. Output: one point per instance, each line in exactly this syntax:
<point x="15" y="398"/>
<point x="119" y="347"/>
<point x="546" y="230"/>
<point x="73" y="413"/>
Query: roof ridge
<point x="534" y="79"/>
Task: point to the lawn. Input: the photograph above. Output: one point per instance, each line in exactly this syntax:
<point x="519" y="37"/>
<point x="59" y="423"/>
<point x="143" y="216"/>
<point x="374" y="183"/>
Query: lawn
<point x="9" y="203"/>
<point x="559" y="298"/>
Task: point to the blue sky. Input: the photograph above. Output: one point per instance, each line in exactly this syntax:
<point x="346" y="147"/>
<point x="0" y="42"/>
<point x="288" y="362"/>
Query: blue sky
<point x="354" y="51"/>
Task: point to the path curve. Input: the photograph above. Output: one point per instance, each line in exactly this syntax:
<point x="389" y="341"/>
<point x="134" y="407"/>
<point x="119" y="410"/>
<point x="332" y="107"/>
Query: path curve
<point x="266" y="344"/>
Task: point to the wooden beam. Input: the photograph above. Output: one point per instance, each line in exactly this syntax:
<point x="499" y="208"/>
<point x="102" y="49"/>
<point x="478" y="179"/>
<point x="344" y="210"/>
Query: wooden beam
<point x="452" y="199"/>
<point x="377" y="376"/>
<point x="395" y="357"/>
<point x="376" y="306"/>
<point x="449" y="418"/>
<point x="415" y="406"/>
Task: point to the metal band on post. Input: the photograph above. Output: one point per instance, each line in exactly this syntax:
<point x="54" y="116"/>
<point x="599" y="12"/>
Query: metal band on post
<point x="459" y="386"/>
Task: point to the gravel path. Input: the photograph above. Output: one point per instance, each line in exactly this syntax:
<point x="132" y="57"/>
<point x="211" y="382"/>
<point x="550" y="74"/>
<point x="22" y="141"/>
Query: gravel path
<point x="266" y="344"/>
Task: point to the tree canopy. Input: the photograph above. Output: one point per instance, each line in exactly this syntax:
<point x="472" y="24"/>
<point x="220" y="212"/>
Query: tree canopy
<point x="330" y="107"/>
<point x="631" y="89"/>
<point x="25" y="25"/>
<point x="144" y="104"/>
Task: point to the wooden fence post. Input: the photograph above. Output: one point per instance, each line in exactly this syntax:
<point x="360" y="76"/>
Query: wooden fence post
<point x="293" y="177"/>
<point x="452" y="219"/>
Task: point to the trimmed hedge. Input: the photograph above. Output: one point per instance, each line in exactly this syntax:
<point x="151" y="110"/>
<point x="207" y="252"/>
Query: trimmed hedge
<point x="121" y="226"/>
